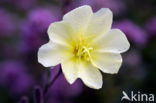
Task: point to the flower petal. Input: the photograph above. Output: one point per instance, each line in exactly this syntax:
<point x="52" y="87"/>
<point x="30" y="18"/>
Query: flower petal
<point x="49" y="54"/>
<point x="114" y="41"/>
<point x="60" y="32"/>
<point x="90" y="75"/>
<point x="100" y="22"/>
<point x="107" y="62"/>
<point x="79" y="18"/>
<point x="70" y="70"/>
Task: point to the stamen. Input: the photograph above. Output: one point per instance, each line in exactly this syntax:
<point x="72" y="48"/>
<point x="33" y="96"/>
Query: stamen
<point x="82" y="51"/>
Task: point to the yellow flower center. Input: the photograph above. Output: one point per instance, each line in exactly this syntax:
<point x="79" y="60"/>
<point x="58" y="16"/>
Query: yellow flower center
<point x="82" y="50"/>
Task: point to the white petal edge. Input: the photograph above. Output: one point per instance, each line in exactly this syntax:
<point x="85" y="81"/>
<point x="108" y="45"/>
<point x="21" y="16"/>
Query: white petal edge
<point x="79" y="18"/>
<point x="108" y="62"/>
<point x="115" y="41"/>
<point x="49" y="55"/>
<point x="91" y="76"/>
<point x="100" y="22"/>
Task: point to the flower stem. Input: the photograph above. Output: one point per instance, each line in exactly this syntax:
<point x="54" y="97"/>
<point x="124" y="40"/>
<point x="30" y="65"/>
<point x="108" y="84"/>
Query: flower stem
<point x="38" y="95"/>
<point x="52" y="81"/>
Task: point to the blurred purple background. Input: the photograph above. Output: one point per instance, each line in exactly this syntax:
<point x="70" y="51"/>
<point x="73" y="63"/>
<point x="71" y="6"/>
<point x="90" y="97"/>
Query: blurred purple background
<point x="23" y="27"/>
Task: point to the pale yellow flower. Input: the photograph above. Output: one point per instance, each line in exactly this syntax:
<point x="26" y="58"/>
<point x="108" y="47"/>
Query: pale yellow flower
<point x="84" y="43"/>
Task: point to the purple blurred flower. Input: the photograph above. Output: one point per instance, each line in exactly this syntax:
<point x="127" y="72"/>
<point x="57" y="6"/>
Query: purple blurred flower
<point x="7" y="25"/>
<point x="34" y="28"/>
<point x="151" y="26"/>
<point x="135" y="33"/>
<point x="14" y="76"/>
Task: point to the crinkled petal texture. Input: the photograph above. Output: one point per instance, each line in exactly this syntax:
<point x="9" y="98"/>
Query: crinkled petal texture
<point x="83" y="43"/>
